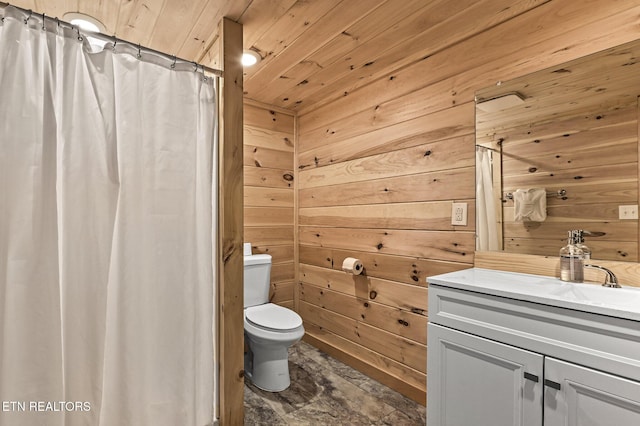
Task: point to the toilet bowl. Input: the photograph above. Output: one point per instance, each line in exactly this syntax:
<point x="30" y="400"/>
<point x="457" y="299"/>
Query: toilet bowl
<point x="269" y="329"/>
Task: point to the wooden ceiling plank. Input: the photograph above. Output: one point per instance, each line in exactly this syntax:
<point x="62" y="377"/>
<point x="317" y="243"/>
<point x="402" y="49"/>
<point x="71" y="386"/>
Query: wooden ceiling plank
<point x="322" y="30"/>
<point x="385" y="18"/>
<point x="368" y="54"/>
<point x="174" y="24"/>
<point x="263" y="15"/>
<point x="204" y="32"/>
<point x="34" y="5"/>
<point x="452" y="28"/>
<point x="301" y="18"/>
<point x="482" y="66"/>
<point x="104" y="11"/>
<point x="395" y="42"/>
<point x="212" y="58"/>
<point x="136" y="19"/>
<point x="53" y="8"/>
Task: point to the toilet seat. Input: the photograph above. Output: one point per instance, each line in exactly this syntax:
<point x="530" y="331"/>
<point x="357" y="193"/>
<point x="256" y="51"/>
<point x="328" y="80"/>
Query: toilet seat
<point x="273" y="317"/>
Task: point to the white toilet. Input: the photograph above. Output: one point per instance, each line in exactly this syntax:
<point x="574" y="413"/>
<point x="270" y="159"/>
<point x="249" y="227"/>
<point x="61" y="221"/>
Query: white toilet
<point x="269" y="329"/>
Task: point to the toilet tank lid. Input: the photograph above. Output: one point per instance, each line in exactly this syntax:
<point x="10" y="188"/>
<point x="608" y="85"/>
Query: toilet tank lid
<point x="257" y="259"/>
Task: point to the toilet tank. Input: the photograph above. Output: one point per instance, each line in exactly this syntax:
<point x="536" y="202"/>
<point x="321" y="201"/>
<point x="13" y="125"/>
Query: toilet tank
<point x="257" y="277"/>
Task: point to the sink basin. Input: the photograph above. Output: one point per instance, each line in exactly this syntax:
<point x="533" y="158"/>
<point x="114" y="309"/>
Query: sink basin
<point x="617" y="302"/>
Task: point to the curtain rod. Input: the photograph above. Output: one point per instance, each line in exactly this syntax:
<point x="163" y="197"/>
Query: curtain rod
<point x="116" y="40"/>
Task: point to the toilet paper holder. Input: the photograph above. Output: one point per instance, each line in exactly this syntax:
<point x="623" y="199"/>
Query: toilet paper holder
<point x="351" y="265"/>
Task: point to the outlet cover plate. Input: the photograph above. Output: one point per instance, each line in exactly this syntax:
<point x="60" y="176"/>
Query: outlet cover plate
<point x="628" y="212"/>
<point x="459" y="214"/>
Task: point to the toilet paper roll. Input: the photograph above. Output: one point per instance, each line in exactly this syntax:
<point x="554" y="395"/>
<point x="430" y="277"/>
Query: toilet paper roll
<point x="351" y="265"/>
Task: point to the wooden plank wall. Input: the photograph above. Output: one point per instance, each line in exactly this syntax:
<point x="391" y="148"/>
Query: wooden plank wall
<point x="380" y="166"/>
<point x="269" y="193"/>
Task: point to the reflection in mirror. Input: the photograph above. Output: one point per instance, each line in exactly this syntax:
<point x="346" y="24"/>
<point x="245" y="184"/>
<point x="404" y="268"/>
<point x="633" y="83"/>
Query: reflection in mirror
<point x="558" y="150"/>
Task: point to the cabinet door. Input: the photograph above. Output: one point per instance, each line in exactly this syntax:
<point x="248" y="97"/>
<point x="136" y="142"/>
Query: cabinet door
<point x="479" y="382"/>
<point x="579" y="396"/>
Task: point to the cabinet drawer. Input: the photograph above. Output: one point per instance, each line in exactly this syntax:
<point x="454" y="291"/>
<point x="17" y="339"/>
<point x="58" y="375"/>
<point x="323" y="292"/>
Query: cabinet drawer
<point x="593" y="340"/>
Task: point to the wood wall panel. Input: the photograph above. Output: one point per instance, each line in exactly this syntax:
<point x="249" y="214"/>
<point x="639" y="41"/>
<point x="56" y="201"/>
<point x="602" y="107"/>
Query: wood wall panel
<point x="269" y="214"/>
<point x="266" y="216"/>
<point x="434" y="215"/>
<point x="394" y="320"/>
<point x="437" y="245"/>
<point x="384" y="152"/>
<point x="411" y="298"/>
<point x="441" y="185"/>
<point x="388" y="344"/>
<point x="271" y="139"/>
<point x="440" y="155"/>
<point x="409" y="270"/>
<point x="268" y="196"/>
<point x="273" y="178"/>
<point x="265" y="157"/>
<point x="404" y="134"/>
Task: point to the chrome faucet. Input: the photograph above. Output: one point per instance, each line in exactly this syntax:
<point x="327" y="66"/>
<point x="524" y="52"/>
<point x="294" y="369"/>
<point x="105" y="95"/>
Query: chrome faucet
<point x="610" y="280"/>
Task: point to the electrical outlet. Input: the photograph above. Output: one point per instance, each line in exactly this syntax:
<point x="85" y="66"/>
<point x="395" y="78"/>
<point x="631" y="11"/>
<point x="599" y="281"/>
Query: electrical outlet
<point x="627" y="212"/>
<point x="459" y="214"/>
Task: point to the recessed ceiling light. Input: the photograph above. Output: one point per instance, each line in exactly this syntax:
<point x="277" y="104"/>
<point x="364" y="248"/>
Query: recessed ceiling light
<point x="250" y="57"/>
<point x="85" y="22"/>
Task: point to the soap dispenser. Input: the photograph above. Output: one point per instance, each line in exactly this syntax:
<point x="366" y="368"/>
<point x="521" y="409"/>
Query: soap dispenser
<point x="579" y="238"/>
<point x="572" y="260"/>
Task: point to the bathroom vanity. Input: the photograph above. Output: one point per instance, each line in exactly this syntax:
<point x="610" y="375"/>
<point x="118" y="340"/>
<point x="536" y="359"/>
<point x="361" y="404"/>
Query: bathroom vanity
<point x="518" y="349"/>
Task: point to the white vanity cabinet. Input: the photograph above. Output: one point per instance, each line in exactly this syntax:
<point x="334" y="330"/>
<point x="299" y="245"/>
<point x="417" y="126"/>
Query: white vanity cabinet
<point x="475" y="381"/>
<point x="505" y="349"/>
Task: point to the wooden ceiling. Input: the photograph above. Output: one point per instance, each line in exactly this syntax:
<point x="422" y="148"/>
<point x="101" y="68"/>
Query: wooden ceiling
<point x="313" y="51"/>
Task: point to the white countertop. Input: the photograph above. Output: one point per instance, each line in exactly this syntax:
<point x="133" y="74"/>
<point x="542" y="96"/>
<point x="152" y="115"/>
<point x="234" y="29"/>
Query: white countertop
<point x="616" y="302"/>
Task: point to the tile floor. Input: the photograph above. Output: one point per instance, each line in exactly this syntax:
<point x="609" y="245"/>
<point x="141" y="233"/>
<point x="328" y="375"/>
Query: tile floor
<point x="325" y="391"/>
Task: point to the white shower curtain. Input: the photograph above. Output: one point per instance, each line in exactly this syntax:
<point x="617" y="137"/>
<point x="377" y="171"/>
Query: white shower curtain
<point x="107" y="231"/>
<point x="487" y="222"/>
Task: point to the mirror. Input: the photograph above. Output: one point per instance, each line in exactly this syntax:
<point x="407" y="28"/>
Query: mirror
<point x="558" y="150"/>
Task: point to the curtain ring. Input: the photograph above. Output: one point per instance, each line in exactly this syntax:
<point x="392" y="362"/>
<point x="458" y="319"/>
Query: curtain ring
<point x="139" y="55"/>
<point x="173" y="65"/>
<point x="115" y="41"/>
<point x="195" y="64"/>
<point x="204" y="77"/>
<point x="79" y="35"/>
<point x="43" y="19"/>
<point x="26" y="20"/>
